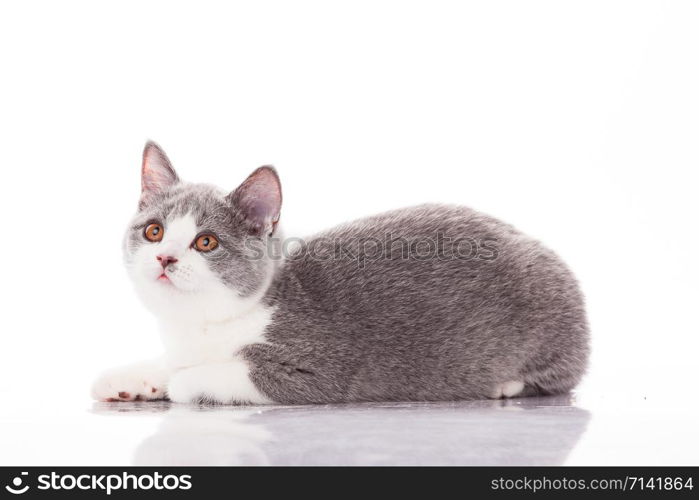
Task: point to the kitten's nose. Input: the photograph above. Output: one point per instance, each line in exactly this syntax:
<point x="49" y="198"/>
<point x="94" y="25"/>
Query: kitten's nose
<point x="166" y="260"/>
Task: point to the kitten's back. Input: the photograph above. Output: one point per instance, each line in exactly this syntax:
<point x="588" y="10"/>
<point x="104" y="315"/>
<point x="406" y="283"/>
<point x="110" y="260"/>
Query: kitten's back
<point x="472" y="303"/>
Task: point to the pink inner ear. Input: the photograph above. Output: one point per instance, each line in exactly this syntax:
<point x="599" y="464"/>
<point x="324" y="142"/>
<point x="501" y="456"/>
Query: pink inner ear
<point x="260" y="197"/>
<point x="154" y="179"/>
<point x="156" y="173"/>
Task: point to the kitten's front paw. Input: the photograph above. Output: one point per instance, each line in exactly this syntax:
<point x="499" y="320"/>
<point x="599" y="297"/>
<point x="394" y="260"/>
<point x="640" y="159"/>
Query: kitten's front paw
<point x="140" y="382"/>
<point x="187" y="386"/>
<point x="222" y="383"/>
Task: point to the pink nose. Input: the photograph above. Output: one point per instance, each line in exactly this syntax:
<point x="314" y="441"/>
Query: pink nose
<point x="166" y="260"/>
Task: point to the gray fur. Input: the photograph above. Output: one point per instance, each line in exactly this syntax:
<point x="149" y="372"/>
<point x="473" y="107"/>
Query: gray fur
<point x="423" y="330"/>
<point x="396" y="329"/>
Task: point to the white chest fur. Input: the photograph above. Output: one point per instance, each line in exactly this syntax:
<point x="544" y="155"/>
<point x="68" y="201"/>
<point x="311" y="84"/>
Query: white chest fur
<point x="200" y="364"/>
<point x="190" y="344"/>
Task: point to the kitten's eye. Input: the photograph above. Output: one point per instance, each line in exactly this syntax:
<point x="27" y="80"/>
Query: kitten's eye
<point x="206" y="243"/>
<point x="154" y="232"/>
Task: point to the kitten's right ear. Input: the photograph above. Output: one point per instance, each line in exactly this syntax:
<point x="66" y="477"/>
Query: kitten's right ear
<point x="157" y="173"/>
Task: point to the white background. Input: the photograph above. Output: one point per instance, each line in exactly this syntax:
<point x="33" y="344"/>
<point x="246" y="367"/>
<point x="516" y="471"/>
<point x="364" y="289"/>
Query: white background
<point x="576" y="121"/>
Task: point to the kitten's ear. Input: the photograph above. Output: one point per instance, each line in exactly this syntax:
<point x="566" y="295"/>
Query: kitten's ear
<point x="157" y="173"/>
<point x="259" y="199"/>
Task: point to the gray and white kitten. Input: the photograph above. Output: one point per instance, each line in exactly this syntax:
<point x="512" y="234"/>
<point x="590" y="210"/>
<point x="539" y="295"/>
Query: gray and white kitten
<point x="420" y="304"/>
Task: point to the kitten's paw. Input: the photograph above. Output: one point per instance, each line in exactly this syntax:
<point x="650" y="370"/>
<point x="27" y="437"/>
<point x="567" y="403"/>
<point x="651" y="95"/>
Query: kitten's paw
<point x="223" y="383"/>
<point x="140" y="382"/>
<point x="188" y="386"/>
<point x="508" y="389"/>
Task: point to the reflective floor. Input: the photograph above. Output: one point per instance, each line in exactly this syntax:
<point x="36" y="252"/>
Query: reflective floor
<point x="529" y="431"/>
<point x="408" y="434"/>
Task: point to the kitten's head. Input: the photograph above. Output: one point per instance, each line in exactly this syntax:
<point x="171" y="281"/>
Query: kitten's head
<point x="194" y="251"/>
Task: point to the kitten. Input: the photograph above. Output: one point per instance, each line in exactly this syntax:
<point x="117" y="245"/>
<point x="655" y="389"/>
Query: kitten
<point x="421" y="304"/>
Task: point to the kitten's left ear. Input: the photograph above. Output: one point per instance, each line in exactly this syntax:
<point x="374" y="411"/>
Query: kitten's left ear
<point x="259" y="199"/>
<point x="157" y="173"/>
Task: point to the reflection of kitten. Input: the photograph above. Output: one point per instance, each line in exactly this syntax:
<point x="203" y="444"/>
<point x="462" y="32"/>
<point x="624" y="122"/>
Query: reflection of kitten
<point x="463" y="433"/>
<point x="239" y="326"/>
<point x="214" y="436"/>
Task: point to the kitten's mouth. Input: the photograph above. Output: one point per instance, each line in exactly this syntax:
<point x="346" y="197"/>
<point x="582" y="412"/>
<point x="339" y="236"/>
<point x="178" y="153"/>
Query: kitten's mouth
<point x="163" y="277"/>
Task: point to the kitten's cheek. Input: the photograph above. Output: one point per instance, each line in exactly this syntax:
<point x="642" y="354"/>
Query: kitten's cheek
<point x="145" y="268"/>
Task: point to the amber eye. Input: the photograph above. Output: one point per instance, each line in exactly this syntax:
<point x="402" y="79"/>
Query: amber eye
<point x="206" y="243"/>
<point x="154" y="232"/>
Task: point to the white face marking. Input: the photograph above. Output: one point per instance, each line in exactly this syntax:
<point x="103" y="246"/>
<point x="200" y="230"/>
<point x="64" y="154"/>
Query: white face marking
<point x="191" y="291"/>
<point x="190" y="273"/>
